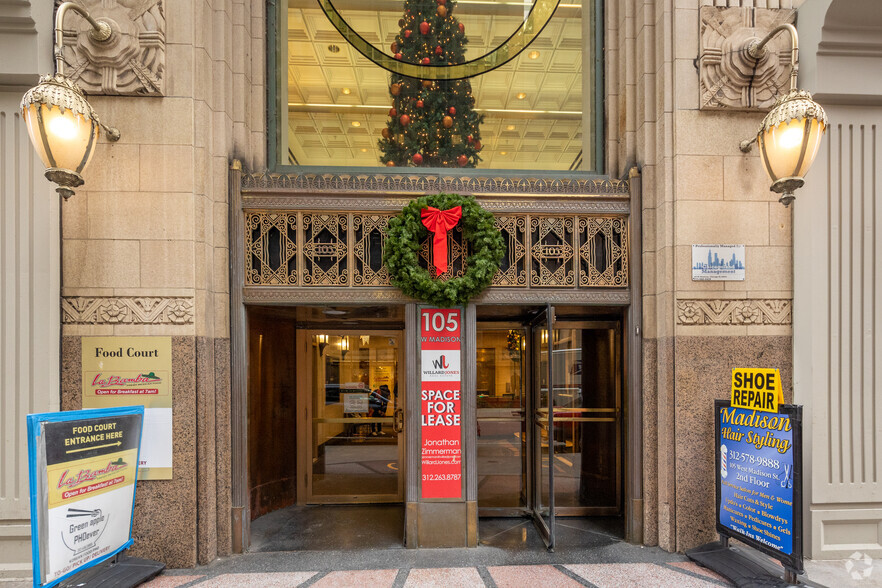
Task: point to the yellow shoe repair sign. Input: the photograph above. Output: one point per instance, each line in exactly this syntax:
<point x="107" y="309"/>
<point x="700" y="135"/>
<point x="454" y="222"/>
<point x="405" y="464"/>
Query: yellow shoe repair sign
<point x="757" y="389"/>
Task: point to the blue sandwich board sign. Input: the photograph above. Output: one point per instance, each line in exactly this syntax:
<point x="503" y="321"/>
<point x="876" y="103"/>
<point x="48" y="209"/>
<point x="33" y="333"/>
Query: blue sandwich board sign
<point x="83" y="469"/>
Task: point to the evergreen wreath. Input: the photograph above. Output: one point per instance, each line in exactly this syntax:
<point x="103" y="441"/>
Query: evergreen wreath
<point x="406" y="232"/>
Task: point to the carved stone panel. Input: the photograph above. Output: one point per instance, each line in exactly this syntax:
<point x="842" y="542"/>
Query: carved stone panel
<point x="131" y="62"/>
<point x="729" y="78"/>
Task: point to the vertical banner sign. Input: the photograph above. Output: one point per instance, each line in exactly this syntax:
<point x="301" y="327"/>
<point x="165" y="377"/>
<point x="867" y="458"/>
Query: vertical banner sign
<point x="128" y="371"/>
<point x="759" y="478"/>
<point x="83" y="465"/>
<point x="441" y="402"/>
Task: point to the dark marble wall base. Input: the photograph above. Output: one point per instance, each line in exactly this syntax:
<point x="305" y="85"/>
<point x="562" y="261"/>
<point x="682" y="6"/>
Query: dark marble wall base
<point x="703" y="372"/>
<point x="185" y="520"/>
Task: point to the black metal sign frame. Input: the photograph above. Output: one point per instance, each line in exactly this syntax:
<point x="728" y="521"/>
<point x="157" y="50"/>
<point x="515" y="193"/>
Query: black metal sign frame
<point x="792" y="561"/>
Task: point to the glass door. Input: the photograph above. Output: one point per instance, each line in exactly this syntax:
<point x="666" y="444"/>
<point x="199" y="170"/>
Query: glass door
<point x="543" y="437"/>
<point x="355" y="418"/>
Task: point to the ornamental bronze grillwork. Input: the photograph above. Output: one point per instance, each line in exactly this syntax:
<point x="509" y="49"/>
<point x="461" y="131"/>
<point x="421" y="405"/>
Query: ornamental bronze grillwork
<point x="552" y="251"/>
<point x="456" y="260"/>
<point x="369" y="233"/>
<point x="325" y="246"/>
<point x="603" y="253"/>
<point x="271" y="249"/>
<point x="513" y="267"/>
<point x="284" y="248"/>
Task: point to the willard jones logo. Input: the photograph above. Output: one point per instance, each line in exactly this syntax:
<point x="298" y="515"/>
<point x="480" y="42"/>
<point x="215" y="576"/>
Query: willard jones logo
<point x="440" y="366"/>
<point x="117" y="384"/>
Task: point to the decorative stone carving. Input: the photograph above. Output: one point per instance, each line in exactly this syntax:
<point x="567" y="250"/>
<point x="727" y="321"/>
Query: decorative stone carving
<point x="424" y="184"/>
<point x="730" y="79"/>
<point x="131" y="62"/>
<point x="110" y="310"/>
<point x="734" y="312"/>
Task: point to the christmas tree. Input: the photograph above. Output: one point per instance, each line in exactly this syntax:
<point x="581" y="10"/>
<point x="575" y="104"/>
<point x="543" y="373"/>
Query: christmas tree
<point x="431" y="123"/>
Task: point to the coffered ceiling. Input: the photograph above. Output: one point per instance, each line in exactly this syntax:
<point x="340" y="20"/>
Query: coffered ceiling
<point x="534" y="106"/>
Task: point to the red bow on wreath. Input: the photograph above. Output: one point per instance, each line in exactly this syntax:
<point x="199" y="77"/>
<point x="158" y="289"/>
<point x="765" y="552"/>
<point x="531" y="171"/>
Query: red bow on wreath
<point x="439" y="222"/>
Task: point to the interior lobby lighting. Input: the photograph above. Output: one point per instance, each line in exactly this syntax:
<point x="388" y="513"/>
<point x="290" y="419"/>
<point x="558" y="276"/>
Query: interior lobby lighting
<point x="521" y="95"/>
<point x="533" y="54"/>
<point x="346" y="91"/>
<point x="344" y="347"/>
<point x="61" y="123"/>
<point x="355" y="123"/>
<point x="322" y="341"/>
<point x="510" y="128"/>
<point x="503" y="152"/>
<point x="790" y="134"/>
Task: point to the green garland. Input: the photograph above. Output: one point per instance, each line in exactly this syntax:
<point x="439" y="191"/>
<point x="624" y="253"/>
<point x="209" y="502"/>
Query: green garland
<point x="406" y="232"/>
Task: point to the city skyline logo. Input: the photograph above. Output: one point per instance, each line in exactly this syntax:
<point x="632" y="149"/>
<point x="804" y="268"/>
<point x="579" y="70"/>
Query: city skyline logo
<point x="718" y="263"/>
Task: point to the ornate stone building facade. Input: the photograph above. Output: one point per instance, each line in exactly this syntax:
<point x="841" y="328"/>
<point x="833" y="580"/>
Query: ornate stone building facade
<point x="151" y="245"/>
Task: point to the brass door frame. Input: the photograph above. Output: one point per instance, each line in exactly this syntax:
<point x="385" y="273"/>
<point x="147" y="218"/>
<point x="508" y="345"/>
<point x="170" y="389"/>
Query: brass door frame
<point x="596" y="415"/>
<point x="305" y="418"/>
<point x="618" y="417"/>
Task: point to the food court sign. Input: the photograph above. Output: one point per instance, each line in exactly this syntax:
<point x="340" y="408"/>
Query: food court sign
<point x="83" y="466"/>
<point x="759" y="467"/>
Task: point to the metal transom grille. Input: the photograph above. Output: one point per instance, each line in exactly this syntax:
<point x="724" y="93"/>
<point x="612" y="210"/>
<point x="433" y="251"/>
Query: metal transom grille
<point x="346" y="250"/>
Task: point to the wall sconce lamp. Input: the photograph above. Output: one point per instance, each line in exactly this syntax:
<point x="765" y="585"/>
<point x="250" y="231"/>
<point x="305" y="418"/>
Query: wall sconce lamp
<point x="344" y="347"/>
<point x="790" y="134"/>
<point x="61" y="123"/>
<point x="322" y="341"/>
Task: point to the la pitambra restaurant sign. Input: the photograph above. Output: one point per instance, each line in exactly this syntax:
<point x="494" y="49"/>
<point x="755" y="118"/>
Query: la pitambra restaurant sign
<point x="759" y="466"/>
<point x="125" y="371"/>
<point x="83" y="465"/>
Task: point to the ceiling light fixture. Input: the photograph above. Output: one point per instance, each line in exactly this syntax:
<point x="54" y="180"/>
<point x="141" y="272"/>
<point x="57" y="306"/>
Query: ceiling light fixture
<point x="510" y="128"/>
<point x="61" y="123"/>
<point x="346" y="91"/>
<point x="334" y="48"/>
<point x="533" y="54"/>
<point x="355" y="123"/>
<point x="521" y="95"/>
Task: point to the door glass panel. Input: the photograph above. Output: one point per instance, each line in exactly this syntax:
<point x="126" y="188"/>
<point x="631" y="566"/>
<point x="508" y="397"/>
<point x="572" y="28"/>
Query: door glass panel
<point x="586" y="464"/>
<point x="501" y="418"/>
<point x="543" y="428"/>
<point x="355" y="390"/>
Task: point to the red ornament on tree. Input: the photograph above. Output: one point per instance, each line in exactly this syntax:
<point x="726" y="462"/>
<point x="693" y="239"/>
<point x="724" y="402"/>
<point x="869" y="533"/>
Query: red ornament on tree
<point x="407" y="33"/>
<point x="390" y="164"/>
<point x="461" y="28"/>
<point x="447" y="122"/>
<point x="470" y="139"/>
<point x="425" y="61"/>
<point x="424" y="28"/>
<point x="439" y="50"/>
<point x="442" y="11"/>
<point x="401" y="22"/>
<point x="398" y="56"/>
<point x="419" y="103"/>
<point x="417" y="158"/>
<point x="478" y="146"/>
<point x="393" y="113"/>
<point x="442" y="2"/>
<point x="452" y="111"/>
<point x="386" y="133"/>
<point x="427" y="83"/>
<point x="404" y="120"/>
<point x="462" y="160"/>
<point x="394" y="47"/>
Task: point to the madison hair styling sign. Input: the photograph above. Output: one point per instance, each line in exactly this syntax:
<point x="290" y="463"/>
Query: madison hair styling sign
<point x="83" y="466"/>
<point x="759" y="478"/>
<point x="441" y="402"/>
<point x="126" y="371"/>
